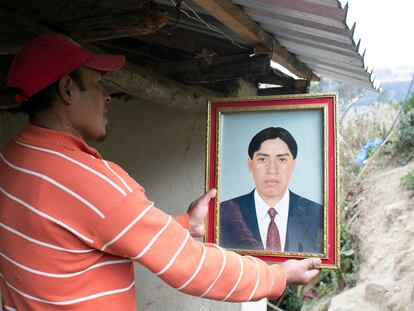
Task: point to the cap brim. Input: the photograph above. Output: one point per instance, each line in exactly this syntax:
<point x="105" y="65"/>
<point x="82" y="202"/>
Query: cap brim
<point x="105" y="63"/>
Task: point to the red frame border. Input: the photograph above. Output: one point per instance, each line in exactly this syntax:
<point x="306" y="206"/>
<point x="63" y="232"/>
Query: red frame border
<point x="329" y="100"/>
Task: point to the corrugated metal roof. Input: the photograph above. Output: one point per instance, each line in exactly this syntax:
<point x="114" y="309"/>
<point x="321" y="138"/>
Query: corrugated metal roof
<point x="314" y="30"/>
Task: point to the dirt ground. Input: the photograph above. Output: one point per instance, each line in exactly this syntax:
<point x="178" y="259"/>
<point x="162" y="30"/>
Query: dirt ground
<point x="384" y="230"/>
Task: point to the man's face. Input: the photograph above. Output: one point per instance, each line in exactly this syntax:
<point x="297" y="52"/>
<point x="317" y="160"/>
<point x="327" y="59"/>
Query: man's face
<point x="271" y="167"/>
<point x="90" y="121"/>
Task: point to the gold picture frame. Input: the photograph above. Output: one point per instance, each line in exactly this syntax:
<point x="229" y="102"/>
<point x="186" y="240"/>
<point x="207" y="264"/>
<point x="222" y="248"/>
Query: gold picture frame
<point x="312" y="121"/>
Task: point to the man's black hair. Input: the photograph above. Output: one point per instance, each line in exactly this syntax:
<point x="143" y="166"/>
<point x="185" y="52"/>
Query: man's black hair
<point x="43" y="100"/>
<point x="273" y="133"/>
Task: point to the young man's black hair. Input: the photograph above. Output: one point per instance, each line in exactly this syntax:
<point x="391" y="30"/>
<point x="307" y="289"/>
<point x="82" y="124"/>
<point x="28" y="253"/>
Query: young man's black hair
<point x="273" y="133"/>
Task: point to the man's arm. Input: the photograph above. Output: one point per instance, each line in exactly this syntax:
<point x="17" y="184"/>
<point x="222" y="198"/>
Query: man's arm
<point x="297" y="271"/>
<point x="142" y="232"/>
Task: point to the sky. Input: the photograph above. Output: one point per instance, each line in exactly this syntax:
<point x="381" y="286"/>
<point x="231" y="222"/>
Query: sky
<point x="385" y="27"/>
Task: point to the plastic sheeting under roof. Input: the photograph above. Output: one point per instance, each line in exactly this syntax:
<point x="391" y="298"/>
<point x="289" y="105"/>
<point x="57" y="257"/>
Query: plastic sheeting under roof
<point x="314" y="30"/>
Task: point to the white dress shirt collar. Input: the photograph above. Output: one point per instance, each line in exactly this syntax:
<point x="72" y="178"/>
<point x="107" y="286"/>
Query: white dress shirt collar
<point x="281" y="219"/>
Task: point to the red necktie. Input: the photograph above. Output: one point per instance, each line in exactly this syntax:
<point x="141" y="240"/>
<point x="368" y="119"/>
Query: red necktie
<point x="273" y="237"/>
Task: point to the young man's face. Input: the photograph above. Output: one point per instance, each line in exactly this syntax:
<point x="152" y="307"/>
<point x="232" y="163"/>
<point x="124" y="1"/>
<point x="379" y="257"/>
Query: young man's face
<point x="91" y="107"/>
<point x="272" y="167"/>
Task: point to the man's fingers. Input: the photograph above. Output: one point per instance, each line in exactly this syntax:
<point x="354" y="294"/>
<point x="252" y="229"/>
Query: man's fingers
<point x="301" y="271"/>
<point x="312" y="267"/>
<point x="198" y="211"/>
<point x="312" y="263"/>
<point x="315" y="263"/>
<point x="311" y="274"/>
<point x="211" y="193"/>
<point x="206" y="197"/>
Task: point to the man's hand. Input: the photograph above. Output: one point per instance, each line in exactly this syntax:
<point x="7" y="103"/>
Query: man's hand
<point x="301" y="271"/>
<point x="197" y="213"/>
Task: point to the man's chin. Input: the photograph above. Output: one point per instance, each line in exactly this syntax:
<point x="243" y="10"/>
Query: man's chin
<point x="273" y="194"/>
<point x="103" y="136"/>
<point x="272" y="191"/>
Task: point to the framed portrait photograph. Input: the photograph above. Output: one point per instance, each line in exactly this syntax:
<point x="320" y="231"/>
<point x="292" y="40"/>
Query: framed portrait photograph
<point x="274" y="163"/>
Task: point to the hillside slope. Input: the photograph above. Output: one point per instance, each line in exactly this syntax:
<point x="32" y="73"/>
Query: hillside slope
<point x="384" y="231"/>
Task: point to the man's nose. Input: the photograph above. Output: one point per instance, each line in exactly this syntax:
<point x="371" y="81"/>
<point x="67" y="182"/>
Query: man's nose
<point x="273" y="167"/>
<point x="107" y="96"/>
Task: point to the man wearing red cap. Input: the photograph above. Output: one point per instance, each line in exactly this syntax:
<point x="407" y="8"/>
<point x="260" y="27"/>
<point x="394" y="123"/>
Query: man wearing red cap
<point x="72" y="223"/>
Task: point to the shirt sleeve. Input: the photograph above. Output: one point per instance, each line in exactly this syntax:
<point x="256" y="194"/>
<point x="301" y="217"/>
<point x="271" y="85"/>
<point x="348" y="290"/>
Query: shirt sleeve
<point x="139" y="231"/>
<point x="182" y="220"/>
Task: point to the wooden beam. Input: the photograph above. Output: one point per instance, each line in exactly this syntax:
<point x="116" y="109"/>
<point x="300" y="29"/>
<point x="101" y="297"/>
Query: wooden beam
<point x="186" y="41"/>
<point x="215" y="69"/>
<point x="300" y="86"/>
<point x="241" y="24"/>
<point x="140" y="21"/>
<point x="278" y="91"/>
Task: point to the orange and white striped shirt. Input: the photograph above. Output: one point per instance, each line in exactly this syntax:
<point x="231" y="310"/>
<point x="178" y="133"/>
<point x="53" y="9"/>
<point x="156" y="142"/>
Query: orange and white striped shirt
<point x="71" y="225"/>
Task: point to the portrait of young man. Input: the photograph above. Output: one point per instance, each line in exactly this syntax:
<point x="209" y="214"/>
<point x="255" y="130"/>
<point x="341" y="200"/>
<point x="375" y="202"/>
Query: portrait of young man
<point x="271" y="217"/>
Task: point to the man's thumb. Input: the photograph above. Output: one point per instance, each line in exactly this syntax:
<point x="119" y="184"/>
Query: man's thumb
<point x="211" y="194"/>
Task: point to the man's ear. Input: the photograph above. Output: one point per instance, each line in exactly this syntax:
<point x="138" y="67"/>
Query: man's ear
<point x="293" y="164"/>
<point x="249" y="163"/>
<point x="66" y="88"/>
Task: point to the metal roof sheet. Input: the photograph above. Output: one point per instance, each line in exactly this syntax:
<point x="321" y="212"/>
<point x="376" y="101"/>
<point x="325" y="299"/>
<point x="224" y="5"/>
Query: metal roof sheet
<point x="314" y="30"/>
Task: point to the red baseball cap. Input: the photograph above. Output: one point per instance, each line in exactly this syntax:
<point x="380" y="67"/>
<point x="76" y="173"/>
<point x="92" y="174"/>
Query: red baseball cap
<point x="47" y="58"/>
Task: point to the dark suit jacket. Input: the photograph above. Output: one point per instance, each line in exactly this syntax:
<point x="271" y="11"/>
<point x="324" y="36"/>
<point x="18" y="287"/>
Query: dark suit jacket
<point x="239" y="227"/>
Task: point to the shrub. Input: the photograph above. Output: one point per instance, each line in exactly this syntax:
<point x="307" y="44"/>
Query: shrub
<point x="292" y="300"/>
<point x="407" y="181"/>
<point x="409" y="105"/>
<point x="403" y="142"/>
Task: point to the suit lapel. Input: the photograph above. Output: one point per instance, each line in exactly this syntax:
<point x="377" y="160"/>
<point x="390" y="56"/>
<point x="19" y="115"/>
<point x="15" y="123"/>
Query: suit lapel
<point x="248" y="210"/>
<point x="296" y="223"/>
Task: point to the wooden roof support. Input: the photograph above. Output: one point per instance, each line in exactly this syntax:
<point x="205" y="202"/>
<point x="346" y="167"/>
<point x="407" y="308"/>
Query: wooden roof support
<point x="138" y="21"/>
<point x="192" y="44"/>
<point x="278" y="91"/>
<point x="241" y="24"/>
<point x="215" y="69"/>
<point x="299" y="85"/>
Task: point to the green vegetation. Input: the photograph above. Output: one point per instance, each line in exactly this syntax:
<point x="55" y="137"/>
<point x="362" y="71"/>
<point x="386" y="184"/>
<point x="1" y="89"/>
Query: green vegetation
<point x="403" y="142"/>
<point x="407" y="182"/>
<point x="357" y="125"/>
